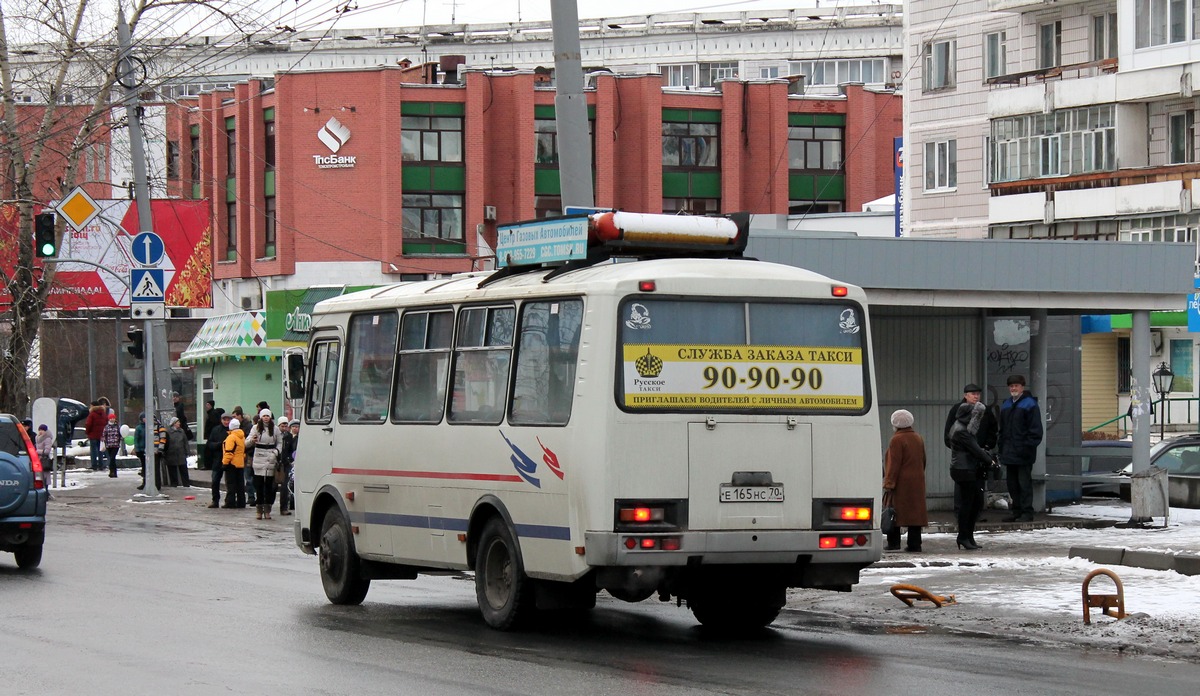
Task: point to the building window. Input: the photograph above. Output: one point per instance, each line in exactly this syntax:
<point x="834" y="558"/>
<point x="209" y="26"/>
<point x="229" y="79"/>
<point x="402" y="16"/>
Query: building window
<point x="230" y="231"/>
<point x="690" y="144"/>
<point x="1124" y="365"/>
<point x="269" y="227"/>
<point x="710" y="73"/>
<point x="231" y="153"/>
<point x="269" y="145"/>
<point x="432" y="215"/>
<point x="1181" y="144"/>
<point x="1049" y="45"/>
<point x="194" y="159"/>
<point x="1065" y="142"/>
<point x="547" y="206"/>
<point x="995" y="57"/>
<point x="939" y="65"/>
<point x="1160" y="228"/>
<point x="1104" y="36"/>
<point x="691" y="206"/>
<point x="678" y="75"/>
<point x="546" y="140"/>
<point x="173" y="159"/>
<point x="1160" y="22"/>
<point x="836" y="72"/>
<point x="1181" y="365"/>
<point x="432" y="138"/>
<point x="941" y="165"/>
<point x="768" y="73"/>
<point x="815" y="148"/>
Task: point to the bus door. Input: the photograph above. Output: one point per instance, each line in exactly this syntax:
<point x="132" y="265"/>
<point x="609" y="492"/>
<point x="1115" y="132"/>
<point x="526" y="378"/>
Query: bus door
<point x="749" y="475"/>
<point x="314" y="452"/>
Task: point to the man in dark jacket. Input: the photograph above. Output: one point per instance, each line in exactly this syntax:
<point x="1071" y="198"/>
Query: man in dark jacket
<point x="213" y="447"/>
<point x="1020" y="435"/>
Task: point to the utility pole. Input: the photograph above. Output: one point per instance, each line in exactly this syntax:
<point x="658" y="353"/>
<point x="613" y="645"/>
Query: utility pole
<point x="155" y="346"/>
<point x="570" y="107"/>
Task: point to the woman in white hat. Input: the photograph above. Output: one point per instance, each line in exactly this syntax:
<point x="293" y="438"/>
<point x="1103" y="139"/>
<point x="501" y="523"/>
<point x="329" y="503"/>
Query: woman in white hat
<point x="904" y="482"/>
<point x="265" y="438"/>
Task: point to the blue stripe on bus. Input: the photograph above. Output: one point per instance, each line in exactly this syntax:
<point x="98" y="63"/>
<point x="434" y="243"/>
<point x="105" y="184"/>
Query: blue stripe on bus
<point x="453" y="524"/>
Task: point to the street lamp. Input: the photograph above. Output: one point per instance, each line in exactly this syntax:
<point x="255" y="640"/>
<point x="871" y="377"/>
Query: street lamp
<point x="1163" y="379"/>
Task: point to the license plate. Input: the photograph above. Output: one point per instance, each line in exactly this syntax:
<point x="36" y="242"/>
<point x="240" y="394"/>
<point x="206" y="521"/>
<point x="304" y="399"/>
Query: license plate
<point x="751" y="494"/>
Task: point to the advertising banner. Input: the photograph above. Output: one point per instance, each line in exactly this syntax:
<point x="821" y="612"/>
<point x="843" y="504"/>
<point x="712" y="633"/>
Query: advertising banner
<point x="94" y="264"/>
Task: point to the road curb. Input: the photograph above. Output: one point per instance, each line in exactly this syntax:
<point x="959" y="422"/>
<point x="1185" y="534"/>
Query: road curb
<point x="1183" y="563"/>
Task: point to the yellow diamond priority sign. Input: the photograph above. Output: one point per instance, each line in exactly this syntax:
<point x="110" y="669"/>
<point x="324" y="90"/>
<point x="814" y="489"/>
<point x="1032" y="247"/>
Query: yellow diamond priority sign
<point x="78" y="209"/>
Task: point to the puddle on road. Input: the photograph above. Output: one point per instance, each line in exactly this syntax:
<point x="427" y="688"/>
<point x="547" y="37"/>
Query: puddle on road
<point x="906" y="630"/>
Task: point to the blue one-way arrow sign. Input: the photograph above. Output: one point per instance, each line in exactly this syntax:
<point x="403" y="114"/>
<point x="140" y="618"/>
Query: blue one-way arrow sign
<point x="148" y="249"/>
<point x="146" y="284"/>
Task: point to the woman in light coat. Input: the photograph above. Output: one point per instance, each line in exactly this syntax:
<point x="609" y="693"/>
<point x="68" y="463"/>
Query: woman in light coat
<point x="266" y="439"/>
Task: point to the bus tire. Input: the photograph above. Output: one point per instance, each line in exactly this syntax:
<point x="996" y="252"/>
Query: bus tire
<point x="751" y="609"/>
<point x="504" y="593"/>
<point x="341" y="574"/>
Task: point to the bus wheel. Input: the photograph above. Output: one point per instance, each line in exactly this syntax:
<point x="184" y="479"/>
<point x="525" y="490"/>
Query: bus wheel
<point x="753" y="608"/>
<point x="504" y="594"/>
<point x="340" y="572"/>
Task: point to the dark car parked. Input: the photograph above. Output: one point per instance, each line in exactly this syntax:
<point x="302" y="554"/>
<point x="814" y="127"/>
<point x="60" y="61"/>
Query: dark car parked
<point x="1179" y="456"/>
<point x="23" y="494"/>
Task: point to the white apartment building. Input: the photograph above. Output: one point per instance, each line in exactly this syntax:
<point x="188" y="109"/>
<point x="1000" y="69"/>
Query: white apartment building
<point x="1060" y="120"/>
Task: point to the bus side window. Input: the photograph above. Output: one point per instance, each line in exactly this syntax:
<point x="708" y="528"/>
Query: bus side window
<point x="544" y="381"/>
<point x="371" y="353"/>
<point x="481" y="359"/>
<point x="420" y="390"/>
<point x="323" y="376"/>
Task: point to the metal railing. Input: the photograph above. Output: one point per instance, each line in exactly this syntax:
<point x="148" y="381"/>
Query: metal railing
<point x="1160" y="409"/>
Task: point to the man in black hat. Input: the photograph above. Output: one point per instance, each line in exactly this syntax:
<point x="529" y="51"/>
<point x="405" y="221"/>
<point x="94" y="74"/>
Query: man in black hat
<point x="988" y="428"/>
<point x="1020" y="434"/>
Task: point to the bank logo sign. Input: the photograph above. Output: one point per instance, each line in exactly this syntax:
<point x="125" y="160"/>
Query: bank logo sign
<point x="334" y="134"/>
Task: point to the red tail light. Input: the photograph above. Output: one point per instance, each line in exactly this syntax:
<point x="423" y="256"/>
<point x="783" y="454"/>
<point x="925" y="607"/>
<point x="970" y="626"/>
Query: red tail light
<point x="35" y="464"/>
<point x="852" y="514"/>
<point x="641" y="514"/>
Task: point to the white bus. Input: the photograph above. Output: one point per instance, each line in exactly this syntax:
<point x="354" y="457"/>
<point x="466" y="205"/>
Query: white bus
<point x="688" y="424"/>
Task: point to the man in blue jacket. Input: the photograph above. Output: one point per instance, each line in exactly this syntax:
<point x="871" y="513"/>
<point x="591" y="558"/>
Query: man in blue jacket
<point x="1020" y="435"/>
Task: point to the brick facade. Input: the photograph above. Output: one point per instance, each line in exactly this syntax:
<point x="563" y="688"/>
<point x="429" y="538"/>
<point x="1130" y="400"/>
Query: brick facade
<point x="354" y="213"/>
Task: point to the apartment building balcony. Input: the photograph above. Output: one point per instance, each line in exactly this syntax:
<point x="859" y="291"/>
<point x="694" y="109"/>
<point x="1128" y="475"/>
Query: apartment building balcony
<point x="1028" y="5"/>
<point x="1184" y="173"/>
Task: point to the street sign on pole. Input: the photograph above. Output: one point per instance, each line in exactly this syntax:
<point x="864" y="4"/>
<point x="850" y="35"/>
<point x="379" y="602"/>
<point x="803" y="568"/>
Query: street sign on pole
<point x="146" y="285"/>
<point x="78" y="209"/>
<point x="148" y="249"/>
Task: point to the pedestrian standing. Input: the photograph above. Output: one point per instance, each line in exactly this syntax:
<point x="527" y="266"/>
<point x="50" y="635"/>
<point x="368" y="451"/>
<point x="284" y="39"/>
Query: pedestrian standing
<point x="988" y="428"/>
<point x="904" y="481"/>
<point x="233" y="458"/>
<point x="139" y="451"/>
<point x="97" y="419"/>
<point x="44" y="445"/>
<point x="266" y="440"/>
<point x="176" y="454"/>
<point x="291" y="466"/>
<point x="211" y="420"/>
<point x="969" y="466"/>
<point x="287" y="446"/>
<point x="1020" y="434"/>
<point x="112" y="443"/>
<point x="178" y="402"/>
<point x="212" y="448"/>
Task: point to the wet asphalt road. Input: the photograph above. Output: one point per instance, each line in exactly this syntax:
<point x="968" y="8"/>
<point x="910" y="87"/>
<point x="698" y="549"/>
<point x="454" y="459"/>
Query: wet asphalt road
<point x="177" y="599"/>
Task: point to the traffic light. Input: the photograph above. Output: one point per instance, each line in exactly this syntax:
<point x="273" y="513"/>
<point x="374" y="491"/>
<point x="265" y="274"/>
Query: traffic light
<point x="137" y="343"/>
<point x="44" y="244"/>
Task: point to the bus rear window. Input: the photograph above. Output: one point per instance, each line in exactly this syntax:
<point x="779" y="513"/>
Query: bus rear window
<point x="736" y="356"/>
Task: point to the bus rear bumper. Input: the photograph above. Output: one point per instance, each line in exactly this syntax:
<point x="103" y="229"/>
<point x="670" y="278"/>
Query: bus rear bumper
<point x="731" y="547"/>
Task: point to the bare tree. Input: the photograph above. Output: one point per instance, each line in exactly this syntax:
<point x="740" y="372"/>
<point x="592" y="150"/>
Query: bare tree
<point x="54" y="106"/>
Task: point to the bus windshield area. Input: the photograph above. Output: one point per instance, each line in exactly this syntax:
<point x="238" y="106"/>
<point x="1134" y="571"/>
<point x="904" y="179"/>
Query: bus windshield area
<point x="742" y="356"/>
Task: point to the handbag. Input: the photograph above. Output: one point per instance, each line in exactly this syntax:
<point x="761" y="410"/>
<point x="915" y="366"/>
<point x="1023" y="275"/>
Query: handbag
<point x="887" y="516"/>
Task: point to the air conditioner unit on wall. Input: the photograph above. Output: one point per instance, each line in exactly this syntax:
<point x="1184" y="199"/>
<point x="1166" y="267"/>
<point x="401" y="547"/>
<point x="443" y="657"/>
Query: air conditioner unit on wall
<point x="1156" y="342"/>
<point x="489" y="213"/>
<point x="250" y="303"/>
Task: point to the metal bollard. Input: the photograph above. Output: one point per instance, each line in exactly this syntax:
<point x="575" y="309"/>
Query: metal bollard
<point x="910" y="593"/>
<point x="1104" y="602"/>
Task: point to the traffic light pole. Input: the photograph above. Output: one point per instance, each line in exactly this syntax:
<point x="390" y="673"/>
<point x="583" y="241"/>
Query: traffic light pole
<point x="154" y="401"/>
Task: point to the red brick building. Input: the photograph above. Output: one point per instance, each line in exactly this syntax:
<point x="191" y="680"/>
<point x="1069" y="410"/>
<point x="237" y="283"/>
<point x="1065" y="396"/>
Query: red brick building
<point x="380" y="167"/>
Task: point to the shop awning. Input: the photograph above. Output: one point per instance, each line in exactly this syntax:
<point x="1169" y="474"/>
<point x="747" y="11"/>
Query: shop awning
<point x="299" y="323"/>
<point x="238" y="336"/>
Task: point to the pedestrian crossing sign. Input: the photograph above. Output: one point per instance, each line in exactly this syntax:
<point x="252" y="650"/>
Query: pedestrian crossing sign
<point x="146" y="284"/>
